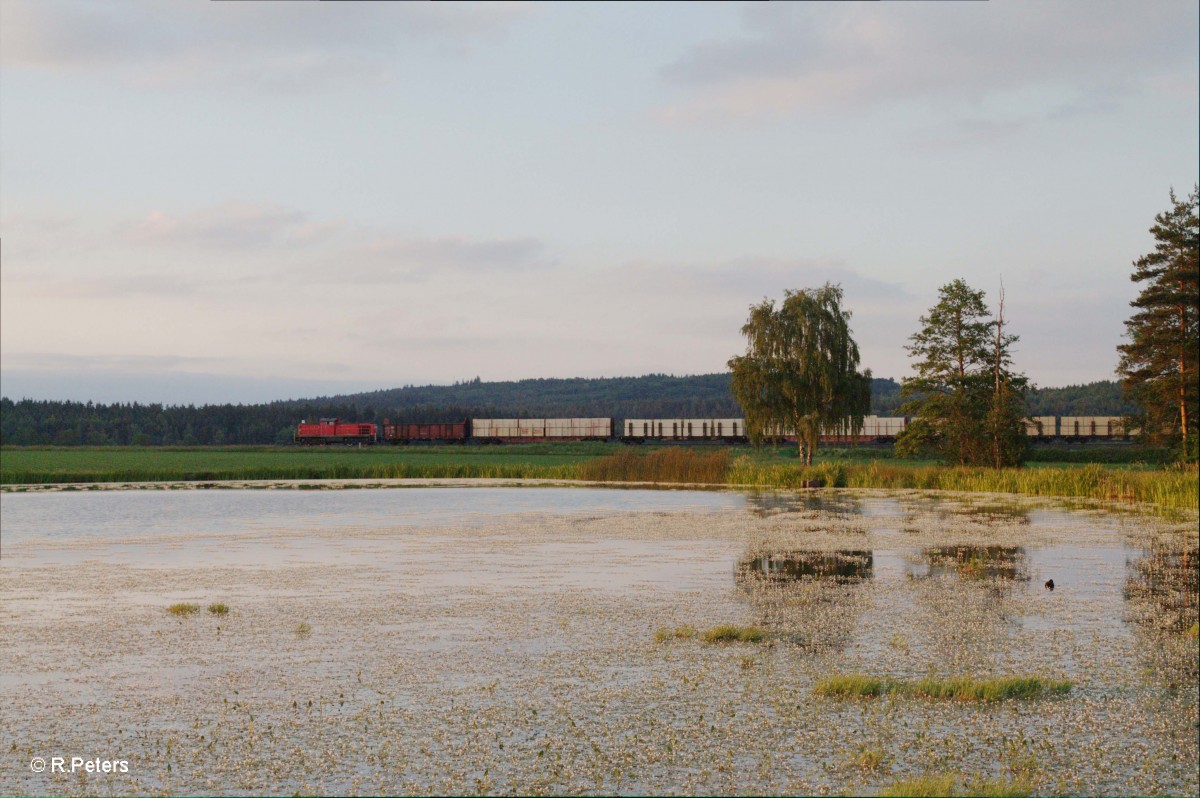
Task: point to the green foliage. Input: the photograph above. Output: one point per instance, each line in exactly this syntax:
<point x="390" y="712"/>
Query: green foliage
<point x="970" y="402"/>
<point x="183" y="610"/>
<point x="1159" y="364"/>
<point x="218" y="609"/>
<point x="800" y="371"/>
<point x="1102" y="398"/>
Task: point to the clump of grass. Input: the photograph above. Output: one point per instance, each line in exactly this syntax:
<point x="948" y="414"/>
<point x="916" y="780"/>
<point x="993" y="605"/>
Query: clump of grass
<point x="969" y="689"/>
<point x="1193" y="632"/>
<point x="183" y="610"/>
<point x="218" y="609"/>
<point x="850" y="686"/>
<point x="964" y="688"/>
<point x="928" y="784"/>
<point x="679" y="632"/>
<point x="730" y="633"/>
<point x="303" y="630"/>
<point x="1000" y="788"/>
<point x="869" y="759"/>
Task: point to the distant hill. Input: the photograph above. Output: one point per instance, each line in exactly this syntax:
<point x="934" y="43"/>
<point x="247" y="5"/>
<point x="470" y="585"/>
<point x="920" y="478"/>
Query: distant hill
<point x="30" y="422"/>
<point x="652" y="396"/>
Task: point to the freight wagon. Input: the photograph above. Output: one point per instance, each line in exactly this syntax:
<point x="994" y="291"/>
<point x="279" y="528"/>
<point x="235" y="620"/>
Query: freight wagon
<point x="534" y="430"/>
<point x="456" y="432"/>
<point x="641" y="430"/>
<point x="730" y="430"/>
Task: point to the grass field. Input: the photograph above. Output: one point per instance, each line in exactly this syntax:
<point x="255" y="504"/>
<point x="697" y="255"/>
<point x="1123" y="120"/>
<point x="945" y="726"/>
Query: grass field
<point x="1165" y="486"/>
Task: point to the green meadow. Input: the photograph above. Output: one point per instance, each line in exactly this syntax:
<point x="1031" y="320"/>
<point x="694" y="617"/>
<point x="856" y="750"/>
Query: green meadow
<point x="865" y="467"/>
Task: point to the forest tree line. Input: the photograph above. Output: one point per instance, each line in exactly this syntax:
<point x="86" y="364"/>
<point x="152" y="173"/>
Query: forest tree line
<point x="57" y="423"/>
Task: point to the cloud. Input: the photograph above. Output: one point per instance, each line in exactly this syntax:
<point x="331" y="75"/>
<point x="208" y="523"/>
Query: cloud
<point x="228" y="225"/>
<point x="845" y="56"/>
<point x="295" y="45"/>
<point x="752" y="277"/>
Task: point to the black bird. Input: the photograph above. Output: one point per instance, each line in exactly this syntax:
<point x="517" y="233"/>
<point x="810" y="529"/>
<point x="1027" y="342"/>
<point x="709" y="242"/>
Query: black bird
<point x="1049" y="584"/>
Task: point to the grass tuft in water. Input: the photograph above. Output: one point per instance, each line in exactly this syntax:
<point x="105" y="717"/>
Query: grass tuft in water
<point x="730" y="633"/>
<point x="849" y="686"/>
<point x="869" y="759"/>
<point x="183" y="609"/>
<point x="679" y="632"/>
<point x="1000" y="788"/>
<point x="218" y="609"/>
<point x="303" y="630"/>
<point x="928" y="784"/>
<point x="963" y="688"/>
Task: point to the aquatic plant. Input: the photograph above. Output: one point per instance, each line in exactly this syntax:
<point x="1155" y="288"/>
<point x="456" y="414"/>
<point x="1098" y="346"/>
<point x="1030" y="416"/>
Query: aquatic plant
<point x="929" y="784"/>
<point x="729" y="633"/>
<point x="681" y="632"/>
<point x="964" y="688"/>
<point x="849" y="686"/>
<point x="218" y="609"/>
<point x="183" y="609"/>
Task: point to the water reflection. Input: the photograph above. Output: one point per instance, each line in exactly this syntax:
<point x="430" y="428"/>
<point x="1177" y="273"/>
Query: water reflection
<point x="807" y="504"/>
<point x="1163" y="586"/>
<point x="1161" y="593"/>
<point x="972" y="563"/>
<point x="985" y="511"/>
<point x="844" y="567"/>
<point x="812" y="598"/>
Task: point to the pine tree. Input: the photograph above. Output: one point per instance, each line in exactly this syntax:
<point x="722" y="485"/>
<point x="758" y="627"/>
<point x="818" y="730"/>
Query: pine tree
<point x="1158" y="365"/>
<point x="969" y="402"/>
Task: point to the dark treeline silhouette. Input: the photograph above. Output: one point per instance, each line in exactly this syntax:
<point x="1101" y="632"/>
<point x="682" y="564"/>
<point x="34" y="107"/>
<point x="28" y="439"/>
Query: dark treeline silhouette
<point x="55" y="423"/>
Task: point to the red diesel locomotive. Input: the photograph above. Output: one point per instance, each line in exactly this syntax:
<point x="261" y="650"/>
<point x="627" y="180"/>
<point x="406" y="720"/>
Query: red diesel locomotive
<point x="332" y="430"/>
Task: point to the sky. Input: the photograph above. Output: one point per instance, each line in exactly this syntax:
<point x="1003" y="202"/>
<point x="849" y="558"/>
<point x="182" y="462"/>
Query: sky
<point x="238" y="202"/>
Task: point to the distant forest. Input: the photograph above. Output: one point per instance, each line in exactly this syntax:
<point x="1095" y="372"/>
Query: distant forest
<point x="32" y="422"/>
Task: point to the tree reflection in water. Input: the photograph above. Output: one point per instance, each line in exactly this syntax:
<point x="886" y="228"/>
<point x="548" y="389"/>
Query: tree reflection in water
<point x="1161" y="593"/>
<point x="976" y="563"/>
<point x="812" y="598"/>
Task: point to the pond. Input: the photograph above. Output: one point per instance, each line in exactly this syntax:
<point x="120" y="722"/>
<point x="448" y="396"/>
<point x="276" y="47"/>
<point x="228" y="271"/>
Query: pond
<point x="453" y="640"/>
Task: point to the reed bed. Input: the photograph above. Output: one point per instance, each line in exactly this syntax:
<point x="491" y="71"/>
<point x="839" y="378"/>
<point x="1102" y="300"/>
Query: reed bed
<point x="673" y="464"/>
<point x="964" y="688"/>
<point x="1175" y="487"/>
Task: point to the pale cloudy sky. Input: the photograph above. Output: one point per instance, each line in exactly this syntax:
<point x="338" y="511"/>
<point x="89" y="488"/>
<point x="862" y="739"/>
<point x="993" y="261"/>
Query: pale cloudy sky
<point x="244" y="201"/>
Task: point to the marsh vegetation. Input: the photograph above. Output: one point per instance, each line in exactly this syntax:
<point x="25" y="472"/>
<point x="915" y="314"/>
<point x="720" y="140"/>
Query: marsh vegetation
<point x="552" y="641"/>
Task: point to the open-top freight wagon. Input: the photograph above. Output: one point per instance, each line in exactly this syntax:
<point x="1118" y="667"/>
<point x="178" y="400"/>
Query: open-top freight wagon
<point x="399" y="434"/>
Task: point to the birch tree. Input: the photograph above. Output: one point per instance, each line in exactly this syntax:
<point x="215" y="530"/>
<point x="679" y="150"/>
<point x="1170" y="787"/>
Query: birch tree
<point x="800" y="371"/>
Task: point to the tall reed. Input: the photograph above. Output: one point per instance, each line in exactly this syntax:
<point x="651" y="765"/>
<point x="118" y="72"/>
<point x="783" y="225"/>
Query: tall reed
<point x="673" y="464"/>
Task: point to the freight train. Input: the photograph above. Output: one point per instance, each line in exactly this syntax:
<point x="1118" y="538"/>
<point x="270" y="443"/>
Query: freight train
<point x="875" y="429"/>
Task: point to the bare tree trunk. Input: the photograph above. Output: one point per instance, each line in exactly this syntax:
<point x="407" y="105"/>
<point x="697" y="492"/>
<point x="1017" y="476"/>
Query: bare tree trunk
<point x="1183" y="375"/>
<point x="996" y="460"/>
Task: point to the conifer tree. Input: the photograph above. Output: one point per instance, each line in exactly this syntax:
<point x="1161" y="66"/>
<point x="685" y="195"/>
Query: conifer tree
<point x="1158" y="365"/>
<point x="968" y="401"/>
